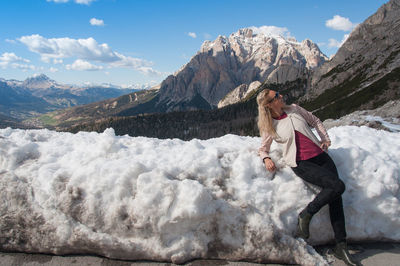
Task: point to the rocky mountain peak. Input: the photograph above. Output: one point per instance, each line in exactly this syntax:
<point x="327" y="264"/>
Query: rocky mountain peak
<point x="40" y="81"/>
<point x="252" y="43"/>
<point x="247" y="55"/>
<point x="247" y="32"/>
<point x="384" y="12"/>
<point x="308" y="43"/>
<point x="38" y="77"/>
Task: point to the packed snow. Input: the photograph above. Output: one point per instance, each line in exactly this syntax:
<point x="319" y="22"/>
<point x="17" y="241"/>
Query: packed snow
<point x="172" y="200"/>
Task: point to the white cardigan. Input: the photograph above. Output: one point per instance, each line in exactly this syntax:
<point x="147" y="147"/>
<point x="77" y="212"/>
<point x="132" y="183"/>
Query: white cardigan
<point x="297" y="119"/>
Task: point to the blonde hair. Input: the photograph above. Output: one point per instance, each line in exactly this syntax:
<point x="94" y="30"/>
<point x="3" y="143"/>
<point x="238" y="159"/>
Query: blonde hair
<point x="264" y="115"/>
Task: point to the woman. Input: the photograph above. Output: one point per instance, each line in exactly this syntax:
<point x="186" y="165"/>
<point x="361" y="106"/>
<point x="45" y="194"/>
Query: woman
<point x="290" y="127"/>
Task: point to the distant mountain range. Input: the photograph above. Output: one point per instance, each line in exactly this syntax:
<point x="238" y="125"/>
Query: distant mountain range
<point x="364" y="74"/>
<point x="39" y="94"/>
<point x="96" y="111"/>
<point x="234" y="65"/>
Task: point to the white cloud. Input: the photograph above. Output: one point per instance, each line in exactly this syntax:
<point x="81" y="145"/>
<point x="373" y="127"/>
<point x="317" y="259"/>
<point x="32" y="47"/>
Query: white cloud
<point x="272" y="31"/>
<point x="11" y="57"/>
<point x="81" y="65"/>
<point x="129" y="62"/>
<point x="23" y="67"/>
<point x="82" y="2"/>
<point x="10" y="41"/>
<point x="340" y="23"/>
<point x="150" y="71"/>
<point x="53" y="69"/>
<point x="207" y="36"/>
<point x="57" y="61"/>
<point x="192" y="34"/>
<point x="96" y="22"/>
<point x="67" y="47"/>
<point x="12" y="60"/>
<point x="336" y="43"/>
<point x="84" y="49"/>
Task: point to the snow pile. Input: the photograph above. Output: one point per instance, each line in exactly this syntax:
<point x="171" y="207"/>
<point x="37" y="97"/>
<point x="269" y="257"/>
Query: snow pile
<point x="172" y="200"/>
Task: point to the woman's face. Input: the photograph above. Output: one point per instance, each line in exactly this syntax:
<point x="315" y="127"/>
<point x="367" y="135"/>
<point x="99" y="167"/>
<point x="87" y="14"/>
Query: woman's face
<point x="275" y="100"/>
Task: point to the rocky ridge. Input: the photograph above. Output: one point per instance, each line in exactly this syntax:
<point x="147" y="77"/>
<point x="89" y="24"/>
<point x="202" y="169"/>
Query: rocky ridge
<point x="239" y="93"/>
<point x="371" y="52"/>
<point x="95" y="111"/>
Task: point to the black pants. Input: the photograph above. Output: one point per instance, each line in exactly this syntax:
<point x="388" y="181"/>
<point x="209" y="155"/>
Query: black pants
<point x="321" y="171"/>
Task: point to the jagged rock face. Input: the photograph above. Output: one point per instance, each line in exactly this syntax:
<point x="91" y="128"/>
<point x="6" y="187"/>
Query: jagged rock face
<point x="244" y="57"/>
<point x="370" y="52"/>
<point x="239" y="93"/>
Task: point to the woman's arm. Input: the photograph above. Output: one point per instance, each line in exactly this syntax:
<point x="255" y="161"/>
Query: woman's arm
<point x="266" y="142"/>
<point x="314" y="122"/>
<point x="263" y="152"/>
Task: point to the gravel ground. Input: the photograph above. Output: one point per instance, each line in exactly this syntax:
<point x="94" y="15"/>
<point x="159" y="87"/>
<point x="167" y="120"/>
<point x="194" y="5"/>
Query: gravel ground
<point x="371" y="254"/>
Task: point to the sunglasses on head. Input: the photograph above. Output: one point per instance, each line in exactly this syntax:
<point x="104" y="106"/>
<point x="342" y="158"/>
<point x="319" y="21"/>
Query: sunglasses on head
<point x="275" y="97"/>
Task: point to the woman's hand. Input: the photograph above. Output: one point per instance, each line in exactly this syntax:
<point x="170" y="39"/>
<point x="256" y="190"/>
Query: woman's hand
<point x="269" y="164"/>
<point x="325" y="144"/>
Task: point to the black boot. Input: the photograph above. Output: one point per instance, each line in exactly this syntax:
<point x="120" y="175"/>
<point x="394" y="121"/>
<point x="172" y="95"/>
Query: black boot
<point x="341" y="252"/>
<point x="303" y="224"/>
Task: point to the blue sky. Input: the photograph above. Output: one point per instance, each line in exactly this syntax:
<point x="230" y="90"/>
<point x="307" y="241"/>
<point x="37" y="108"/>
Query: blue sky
<point x="127" y="42"/>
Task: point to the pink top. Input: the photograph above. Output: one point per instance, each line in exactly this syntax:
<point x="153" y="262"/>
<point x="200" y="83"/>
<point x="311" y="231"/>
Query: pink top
<point x="305" y="148"/>
<point x="284" y="115"/>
